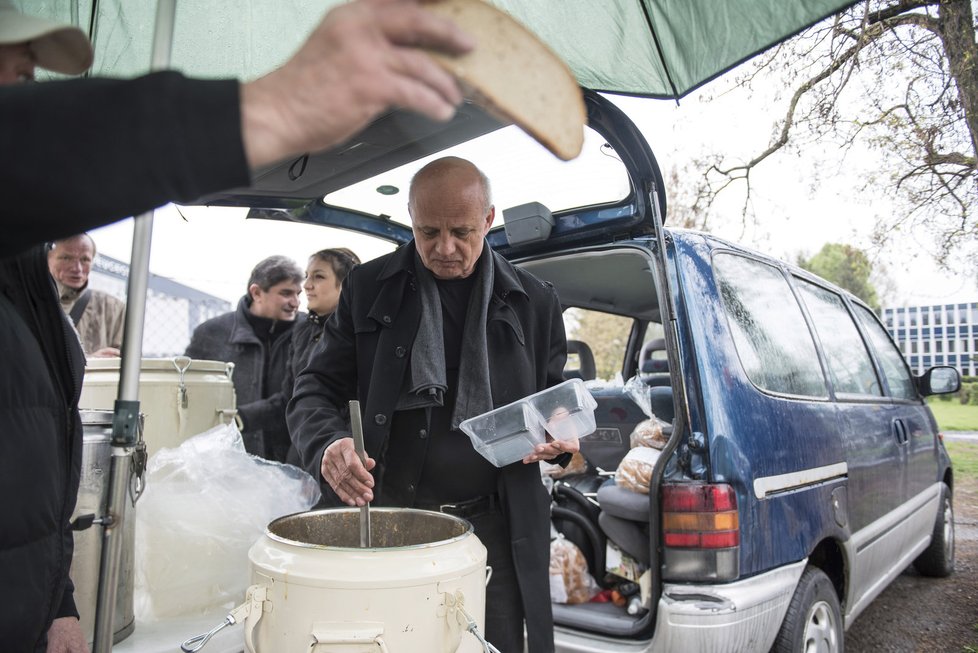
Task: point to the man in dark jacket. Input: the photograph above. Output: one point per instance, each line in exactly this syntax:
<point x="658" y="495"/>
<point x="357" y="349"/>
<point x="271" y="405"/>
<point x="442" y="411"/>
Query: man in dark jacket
<point x="40" y="379"/>
<point x="161" y="137"/>
<point x="441" y="330"/>
<point x="255" y="337"/>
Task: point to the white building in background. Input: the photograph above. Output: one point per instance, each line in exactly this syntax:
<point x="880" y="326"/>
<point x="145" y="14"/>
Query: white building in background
<point x="173" y="310"/>
<point x="945" y="334"/>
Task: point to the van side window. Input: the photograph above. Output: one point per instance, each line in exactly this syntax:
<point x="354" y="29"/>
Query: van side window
<point x="769" y="330"/>
<point x="850" y="367"/>
<point x="894" y="367"/>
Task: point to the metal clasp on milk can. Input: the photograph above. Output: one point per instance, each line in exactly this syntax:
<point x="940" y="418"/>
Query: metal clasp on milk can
<point x="454" y="603"/>
<point x="254" y="604"/>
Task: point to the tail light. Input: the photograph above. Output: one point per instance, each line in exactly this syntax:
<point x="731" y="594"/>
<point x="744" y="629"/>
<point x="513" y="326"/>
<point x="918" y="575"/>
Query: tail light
<point x="700" y="532"/>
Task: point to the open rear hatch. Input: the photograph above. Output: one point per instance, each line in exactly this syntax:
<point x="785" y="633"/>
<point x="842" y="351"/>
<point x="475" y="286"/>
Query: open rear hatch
<point x="305" y="188"/>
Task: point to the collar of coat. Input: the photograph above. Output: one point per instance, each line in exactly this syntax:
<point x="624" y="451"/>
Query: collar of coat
<point x="241" y="331"/>
<point x="505" y="278"/>
<point x="67" y="294"/>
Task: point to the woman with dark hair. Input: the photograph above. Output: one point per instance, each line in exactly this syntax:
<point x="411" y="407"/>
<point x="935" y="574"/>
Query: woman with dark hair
<point x="325" y="273"/>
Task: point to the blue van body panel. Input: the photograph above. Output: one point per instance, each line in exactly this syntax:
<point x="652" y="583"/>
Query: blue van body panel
<point x="753" y="434"/>
<point x="875" y="487"/>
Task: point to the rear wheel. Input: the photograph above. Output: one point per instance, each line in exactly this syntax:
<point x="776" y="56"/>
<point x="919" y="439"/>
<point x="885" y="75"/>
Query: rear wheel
<point x="813" y="623"/>
<point x="938" y="559"/>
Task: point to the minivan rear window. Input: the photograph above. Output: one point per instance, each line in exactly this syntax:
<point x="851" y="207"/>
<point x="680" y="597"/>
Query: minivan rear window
<point x="769" y="330"/>
<point x="850" y="366"/>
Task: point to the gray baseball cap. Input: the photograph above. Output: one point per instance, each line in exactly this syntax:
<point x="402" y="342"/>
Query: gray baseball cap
<point x="56" y="46"/>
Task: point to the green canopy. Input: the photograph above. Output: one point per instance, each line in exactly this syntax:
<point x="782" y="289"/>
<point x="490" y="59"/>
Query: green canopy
<point x="651" y="48"/>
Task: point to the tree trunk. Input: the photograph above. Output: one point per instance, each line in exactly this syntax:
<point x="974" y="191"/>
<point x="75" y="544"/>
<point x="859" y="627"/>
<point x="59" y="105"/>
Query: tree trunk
<point x="958" y="36"/>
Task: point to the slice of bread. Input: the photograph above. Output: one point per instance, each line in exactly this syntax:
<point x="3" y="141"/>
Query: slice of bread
<point x="515" y="76"/>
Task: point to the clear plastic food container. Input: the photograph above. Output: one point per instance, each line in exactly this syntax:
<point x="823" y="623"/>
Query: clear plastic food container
<point x="509" y="433"/>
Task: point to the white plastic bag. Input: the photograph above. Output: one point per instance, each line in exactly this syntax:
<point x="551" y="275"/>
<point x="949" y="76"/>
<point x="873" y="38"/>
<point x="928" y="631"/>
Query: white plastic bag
<point x="638" y="390"/>
<point x="206" y="502"/>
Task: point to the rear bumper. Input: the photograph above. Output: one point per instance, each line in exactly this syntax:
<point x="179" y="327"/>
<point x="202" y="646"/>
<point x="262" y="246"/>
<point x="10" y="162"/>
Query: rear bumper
<point x="737" y="617"/>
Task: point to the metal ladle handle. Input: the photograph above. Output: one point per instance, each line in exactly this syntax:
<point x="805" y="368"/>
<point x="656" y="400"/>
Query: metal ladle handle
<point x="357" y="427"/>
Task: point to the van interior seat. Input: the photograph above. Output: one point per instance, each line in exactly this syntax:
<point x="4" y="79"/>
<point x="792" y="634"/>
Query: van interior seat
<point x="624" y="519"/>
<point x="615" y="416"/>
<point x="581" y="352"/>
<point x="660" y="398"/>
<point x="654" y="370"/>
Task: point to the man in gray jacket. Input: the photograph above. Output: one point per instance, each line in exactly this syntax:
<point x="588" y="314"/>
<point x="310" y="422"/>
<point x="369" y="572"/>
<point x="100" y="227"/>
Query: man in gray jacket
<point x="255" y="337"/>
<point x="98" y="317"/>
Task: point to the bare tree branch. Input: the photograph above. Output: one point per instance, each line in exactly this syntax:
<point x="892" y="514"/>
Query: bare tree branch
<point x="847" y="76"/>
<point x="897" y="9"/>
<point x="742" y="171"/>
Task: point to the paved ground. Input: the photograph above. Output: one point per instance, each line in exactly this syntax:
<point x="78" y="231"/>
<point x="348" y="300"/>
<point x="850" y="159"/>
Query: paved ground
<point x="961" y="435"/>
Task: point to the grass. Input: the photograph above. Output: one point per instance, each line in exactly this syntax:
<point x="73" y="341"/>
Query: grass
<point x="953" y="416"/>
<point x="964" y="458"/>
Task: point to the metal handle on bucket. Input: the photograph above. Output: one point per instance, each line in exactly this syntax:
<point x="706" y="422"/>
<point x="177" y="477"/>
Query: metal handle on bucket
<point x="254" y="605"/>
<point x="228" y="416"/>
<point x="324" y="633"/>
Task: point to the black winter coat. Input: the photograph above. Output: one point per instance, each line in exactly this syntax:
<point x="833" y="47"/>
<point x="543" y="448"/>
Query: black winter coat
<point x="368" y="344"/>
<point x="77" y="155"/>
<point x="40" y="451"/>
<point x="307" y="334"/>
<point x="258" y="391"/>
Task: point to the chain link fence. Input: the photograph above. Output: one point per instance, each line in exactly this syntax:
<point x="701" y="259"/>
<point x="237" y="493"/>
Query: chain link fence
<point x="173" y="310"/>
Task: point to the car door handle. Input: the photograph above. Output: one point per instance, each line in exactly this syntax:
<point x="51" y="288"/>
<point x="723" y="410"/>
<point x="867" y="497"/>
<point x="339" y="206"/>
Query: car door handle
<point x="900" y="433"/>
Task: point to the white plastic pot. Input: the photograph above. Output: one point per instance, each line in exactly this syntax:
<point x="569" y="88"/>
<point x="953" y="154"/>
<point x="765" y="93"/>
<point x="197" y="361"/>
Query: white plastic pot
<point x="180" y="397"/>
<point x="418" y="587"/>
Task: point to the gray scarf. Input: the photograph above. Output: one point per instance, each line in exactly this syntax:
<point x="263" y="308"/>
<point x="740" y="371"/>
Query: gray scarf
<point x="426" y="384"/>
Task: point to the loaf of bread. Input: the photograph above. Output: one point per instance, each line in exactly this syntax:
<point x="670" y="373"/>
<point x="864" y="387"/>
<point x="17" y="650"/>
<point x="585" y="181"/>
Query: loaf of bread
<point x="648" y="433"/>
<point x="635" y="469"/>
<point x="570" y="581"/>
<point x="515" y="76"/>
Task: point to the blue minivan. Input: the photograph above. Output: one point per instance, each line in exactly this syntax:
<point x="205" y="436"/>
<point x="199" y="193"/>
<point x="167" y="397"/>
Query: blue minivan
<point x="803" y="469"/>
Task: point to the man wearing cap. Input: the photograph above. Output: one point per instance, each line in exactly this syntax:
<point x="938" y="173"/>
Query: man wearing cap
<point x="35" y="543"/>
<point x="158" y="138"/>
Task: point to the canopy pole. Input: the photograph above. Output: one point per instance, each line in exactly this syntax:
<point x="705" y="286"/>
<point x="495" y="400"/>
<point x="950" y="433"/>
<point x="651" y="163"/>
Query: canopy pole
<point x="124" y="423"/>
